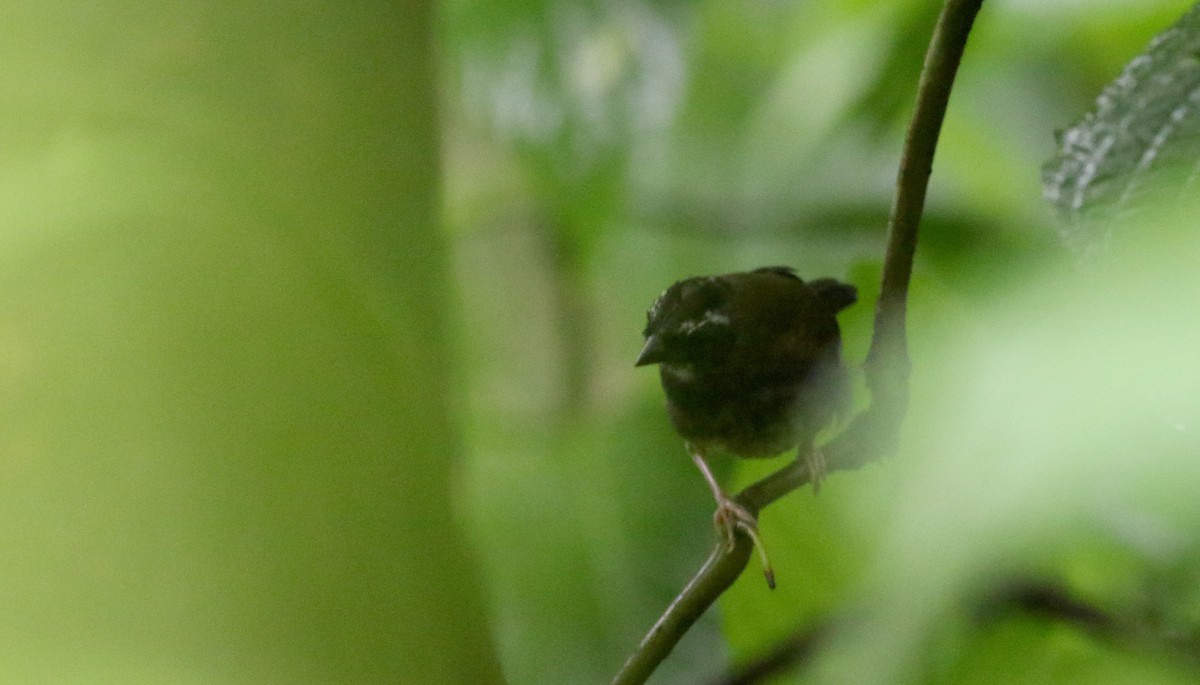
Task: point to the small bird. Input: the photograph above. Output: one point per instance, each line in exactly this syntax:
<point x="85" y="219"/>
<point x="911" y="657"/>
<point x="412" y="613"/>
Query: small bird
<point x="750" y="363"/>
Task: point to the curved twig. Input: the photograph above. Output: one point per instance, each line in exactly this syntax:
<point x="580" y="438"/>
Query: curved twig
<point x="875" y="431"/>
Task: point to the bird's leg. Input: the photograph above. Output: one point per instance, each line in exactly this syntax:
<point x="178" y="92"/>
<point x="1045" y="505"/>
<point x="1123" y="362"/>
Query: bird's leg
<point x="731" y="517"/>
<point x="814" y="460"/>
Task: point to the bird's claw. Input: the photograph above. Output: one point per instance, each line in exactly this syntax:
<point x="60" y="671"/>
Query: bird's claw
<point x="731" y="517"/>
<point x="818" y="467"/>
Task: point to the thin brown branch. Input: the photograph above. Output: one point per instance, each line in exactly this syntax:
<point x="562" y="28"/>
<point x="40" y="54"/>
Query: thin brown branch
<point x="874" y="432"/>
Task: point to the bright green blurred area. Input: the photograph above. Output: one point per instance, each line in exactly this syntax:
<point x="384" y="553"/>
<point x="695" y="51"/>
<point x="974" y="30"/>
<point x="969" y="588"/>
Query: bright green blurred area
<point x="225" y="453"/>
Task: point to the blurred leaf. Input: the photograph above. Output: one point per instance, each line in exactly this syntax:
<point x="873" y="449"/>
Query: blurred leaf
<point x="1056" y="434"/>
<point x="1142" y="138"/>
<point x="891" y="93"/>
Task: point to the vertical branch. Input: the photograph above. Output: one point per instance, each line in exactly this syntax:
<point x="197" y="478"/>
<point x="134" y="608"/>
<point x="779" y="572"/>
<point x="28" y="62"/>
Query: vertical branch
<point x="874" y="432"/>
<point x="888" y="362"/>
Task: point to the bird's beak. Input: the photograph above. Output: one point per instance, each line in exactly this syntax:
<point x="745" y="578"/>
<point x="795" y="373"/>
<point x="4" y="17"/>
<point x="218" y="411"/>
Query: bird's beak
<point x="652" y="352"/>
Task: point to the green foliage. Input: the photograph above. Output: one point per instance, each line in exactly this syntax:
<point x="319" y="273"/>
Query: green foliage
<point x="598" y="152"/>
<point x="1142" y="139"/>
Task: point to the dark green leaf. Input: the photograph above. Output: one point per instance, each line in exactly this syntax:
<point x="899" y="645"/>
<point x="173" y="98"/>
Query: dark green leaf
<point x="1142" y="138"/>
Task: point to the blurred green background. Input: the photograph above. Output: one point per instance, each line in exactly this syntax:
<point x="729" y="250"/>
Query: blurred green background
<point x="317" y="324"/>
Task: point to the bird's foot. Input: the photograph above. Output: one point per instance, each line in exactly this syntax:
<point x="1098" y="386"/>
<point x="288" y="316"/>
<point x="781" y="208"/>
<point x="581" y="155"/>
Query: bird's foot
<point x="818" y="468"/>
<point x="731" y="517"/>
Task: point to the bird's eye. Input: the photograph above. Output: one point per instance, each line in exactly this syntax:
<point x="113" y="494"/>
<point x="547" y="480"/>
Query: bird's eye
<point x="711" y="299"/>
<point x="702" y="294"/>
<point x="705" y="339"/>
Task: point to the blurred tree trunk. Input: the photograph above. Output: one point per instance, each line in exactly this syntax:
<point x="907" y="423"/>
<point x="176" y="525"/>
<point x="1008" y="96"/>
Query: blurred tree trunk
<point x="226" y="449"/>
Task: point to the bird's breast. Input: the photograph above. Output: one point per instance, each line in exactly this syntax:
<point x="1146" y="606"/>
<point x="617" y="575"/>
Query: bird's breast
<point x="749" y="415"/>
